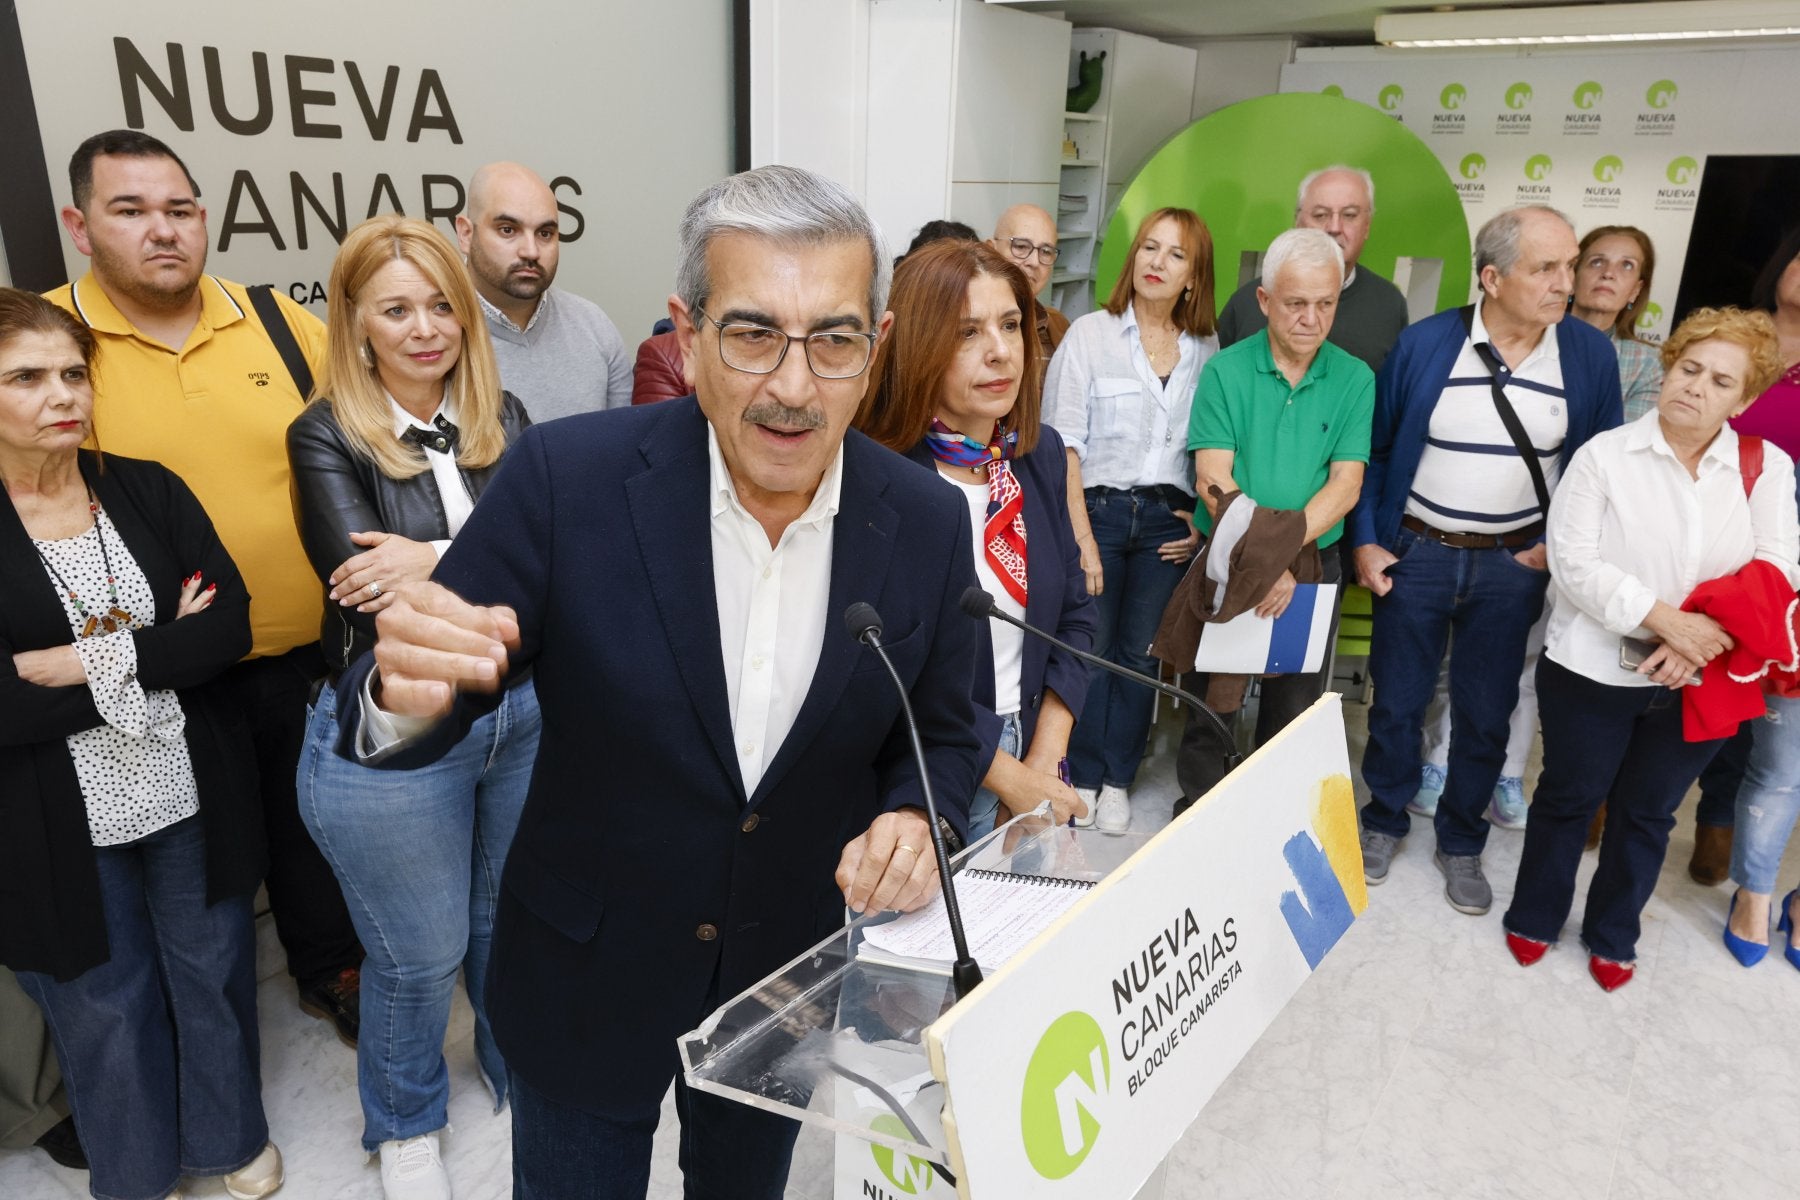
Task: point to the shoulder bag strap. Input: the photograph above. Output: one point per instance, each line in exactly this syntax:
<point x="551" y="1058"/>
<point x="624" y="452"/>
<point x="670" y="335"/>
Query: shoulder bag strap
<point x="1750" y="461"/>
<point x="276" y="326"/>
<point x="1498" y="373"/>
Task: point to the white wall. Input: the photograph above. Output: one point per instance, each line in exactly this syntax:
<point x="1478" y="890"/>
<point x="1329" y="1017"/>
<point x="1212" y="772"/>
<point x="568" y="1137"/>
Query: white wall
<point x="629" y="103"/>
<point x="1232" y="69"/>
<point x="809" y="67"/>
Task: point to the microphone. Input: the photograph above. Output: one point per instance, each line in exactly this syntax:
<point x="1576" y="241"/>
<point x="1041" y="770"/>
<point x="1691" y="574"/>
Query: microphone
<point x="863" y="623"/>
<point x="977" y="603"/>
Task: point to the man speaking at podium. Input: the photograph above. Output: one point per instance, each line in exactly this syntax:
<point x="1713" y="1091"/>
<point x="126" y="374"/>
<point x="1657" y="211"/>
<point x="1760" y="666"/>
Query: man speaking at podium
<point x="715" y="745"/>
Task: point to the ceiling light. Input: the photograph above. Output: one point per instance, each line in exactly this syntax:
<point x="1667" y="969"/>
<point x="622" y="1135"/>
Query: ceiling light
<point x="1665" y="20"/>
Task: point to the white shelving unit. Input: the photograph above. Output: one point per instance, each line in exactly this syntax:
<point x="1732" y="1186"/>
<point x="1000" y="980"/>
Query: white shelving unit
<point x="1151" y="81"/>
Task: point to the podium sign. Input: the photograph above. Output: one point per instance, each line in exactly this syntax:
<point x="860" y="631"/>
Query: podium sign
<point x="1075" y="1067"/>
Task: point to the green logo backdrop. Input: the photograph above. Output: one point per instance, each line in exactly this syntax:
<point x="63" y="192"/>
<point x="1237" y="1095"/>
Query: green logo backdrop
<point x="1537" y="167"/>
<point x="1587" y="95"/>
<point x="1238" y="169"/>
<point x="1518" y="95"/>
<point x="1682" y="169"/>
<point x="1472" y="166"/>
<point x="1661" y="94"/>
<point x="1607" y="168"/>
<point x="1453" y="95"/>
<point x="1391" y="96"/>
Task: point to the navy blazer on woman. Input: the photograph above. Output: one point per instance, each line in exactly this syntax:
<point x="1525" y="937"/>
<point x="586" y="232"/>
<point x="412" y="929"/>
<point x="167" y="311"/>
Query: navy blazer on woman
<point x="1056" y="598"/>
<point x="644" y="884"/>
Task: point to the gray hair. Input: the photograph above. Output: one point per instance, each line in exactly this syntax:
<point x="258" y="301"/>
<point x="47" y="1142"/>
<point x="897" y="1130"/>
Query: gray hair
<point x="783" y="204"/>
<point x="1368" y="182"/>
<point x="1301" y="248"/>
<point x="1497" y="243"/>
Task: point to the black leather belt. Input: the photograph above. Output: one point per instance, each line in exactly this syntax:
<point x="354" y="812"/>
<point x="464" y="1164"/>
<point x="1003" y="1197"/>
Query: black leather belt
<point x="1512" y="539"/>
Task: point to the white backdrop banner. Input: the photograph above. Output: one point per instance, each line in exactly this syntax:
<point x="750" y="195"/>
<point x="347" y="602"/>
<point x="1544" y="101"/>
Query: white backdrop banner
<point x="1614" y="139"/>
<point x="299" y="121"/>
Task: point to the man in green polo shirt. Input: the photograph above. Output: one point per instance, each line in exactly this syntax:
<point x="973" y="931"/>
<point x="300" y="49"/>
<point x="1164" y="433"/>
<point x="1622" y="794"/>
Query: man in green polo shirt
<point x="1282" y="416"/>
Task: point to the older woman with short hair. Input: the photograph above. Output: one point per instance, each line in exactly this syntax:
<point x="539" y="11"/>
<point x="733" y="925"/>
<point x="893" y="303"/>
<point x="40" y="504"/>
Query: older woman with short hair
<point x="1646" y="512"/>
<point x="955" y="388"/>
<point x="407" y="428"/>
<point x="129" y="854"/>
<point x="1119" y="391"/>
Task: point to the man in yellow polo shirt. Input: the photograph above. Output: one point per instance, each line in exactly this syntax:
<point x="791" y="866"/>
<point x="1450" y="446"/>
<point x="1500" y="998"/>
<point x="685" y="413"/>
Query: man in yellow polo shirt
<point x="188" y="374"/>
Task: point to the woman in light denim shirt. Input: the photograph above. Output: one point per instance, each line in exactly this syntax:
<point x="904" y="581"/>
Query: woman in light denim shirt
<point x="1612" y="282"/>
<point x="1118" y="391"/>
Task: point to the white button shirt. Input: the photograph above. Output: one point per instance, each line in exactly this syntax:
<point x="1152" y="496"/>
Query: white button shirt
<point x="772" y="604"/>
<point x="1128" y="427"/>
<point x="452" y="491"/>
<point x="772" y="610"/>
<point x="1628" y="527"/>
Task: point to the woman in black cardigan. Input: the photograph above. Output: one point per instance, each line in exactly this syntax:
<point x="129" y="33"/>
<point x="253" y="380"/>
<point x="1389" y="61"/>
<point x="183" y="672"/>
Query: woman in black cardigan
<point x="956" y="387"/>
<point x="129" y="853"/>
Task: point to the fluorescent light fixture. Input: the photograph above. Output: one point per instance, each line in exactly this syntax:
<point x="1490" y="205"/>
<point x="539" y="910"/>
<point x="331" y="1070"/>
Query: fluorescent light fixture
<point x="1662" y="21"/>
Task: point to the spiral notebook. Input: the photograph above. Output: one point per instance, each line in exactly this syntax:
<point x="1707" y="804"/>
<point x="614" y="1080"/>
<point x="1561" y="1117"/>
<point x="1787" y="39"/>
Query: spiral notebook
<point x="1001" y="913"/>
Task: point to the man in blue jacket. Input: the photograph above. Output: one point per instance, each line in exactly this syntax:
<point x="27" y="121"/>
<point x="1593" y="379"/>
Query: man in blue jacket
<point x="1449" y="531"/>
<point x="722" y="768"/>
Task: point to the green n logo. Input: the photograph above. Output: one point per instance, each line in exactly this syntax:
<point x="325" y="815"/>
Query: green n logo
<point x="1587" y="95"/>
<point x="1066" y="1084"/>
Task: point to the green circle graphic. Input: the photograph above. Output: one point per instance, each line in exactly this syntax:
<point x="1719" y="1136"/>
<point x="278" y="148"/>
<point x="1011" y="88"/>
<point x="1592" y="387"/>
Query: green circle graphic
<point x="1661" y="94"/>
<point x="1518" y="95"/>
<point x="1587" y="95"/>
<point x="1453" y="95"/>
<point x="1472" y="166"/>
<point x="1682" y="169"/>
<point x="1537" y="167"/>
<point x="1238" y="169"/>
<point x="1607" y="168"/>
<point x="1065" y="1051"/>
<point x="1391" y="96"/>
<point x="1332" y="89"/>
<point x="1648" y="318"/>
<point x="906" y="1174"/>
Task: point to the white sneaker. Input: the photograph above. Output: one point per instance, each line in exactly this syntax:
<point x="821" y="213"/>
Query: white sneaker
<point x="1091" y="798"/>
<point x="260" y="1177"/>
<point x="413" y="1169"/>
<point x="1113" y="813"/>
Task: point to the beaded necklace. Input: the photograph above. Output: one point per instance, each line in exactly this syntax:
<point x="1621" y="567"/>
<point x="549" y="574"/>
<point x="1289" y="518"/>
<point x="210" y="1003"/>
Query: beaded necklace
<point x="115" y="618"/>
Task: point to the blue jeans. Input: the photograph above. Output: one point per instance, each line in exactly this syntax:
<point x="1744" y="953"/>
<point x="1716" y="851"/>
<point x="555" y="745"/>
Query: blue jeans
<point x="1114" y="724"/>
<point x="1770" y="797"/>
<point x="1490" y="602"/>
<point x="159" y="1045"/>
<point x="985" y="807"/>
<point x="419" y="854"/>
<point x="1602" y="742"/>
<point x="728" y="1150"/>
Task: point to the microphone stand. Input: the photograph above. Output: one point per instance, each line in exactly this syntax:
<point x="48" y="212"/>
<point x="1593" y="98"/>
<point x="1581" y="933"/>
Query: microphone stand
<point x="864" y="624"/>
<point x="978" y="603"/>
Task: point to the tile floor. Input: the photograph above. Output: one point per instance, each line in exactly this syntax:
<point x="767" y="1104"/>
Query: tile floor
<point x="1418" y="1062"/>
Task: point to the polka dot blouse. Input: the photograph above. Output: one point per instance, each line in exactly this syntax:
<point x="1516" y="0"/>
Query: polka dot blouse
<point x="134" y="771"/>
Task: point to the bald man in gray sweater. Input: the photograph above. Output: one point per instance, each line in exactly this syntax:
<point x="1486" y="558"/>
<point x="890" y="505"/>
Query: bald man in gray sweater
<point x="557" y="352"/>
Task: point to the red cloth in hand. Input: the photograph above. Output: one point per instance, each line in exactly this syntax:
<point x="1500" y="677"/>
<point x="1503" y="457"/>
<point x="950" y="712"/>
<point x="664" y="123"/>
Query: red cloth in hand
<point x="1756" y="606"/>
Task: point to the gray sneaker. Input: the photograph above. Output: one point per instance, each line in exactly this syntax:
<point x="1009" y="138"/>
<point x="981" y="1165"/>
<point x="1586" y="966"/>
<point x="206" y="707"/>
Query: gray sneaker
<point x="1465" y="887"/>
<point x="1378" y="851"/>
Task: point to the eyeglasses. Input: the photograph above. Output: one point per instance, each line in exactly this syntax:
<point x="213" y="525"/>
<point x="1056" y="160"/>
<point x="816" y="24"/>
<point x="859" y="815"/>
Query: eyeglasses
<point x="758" y="350"/>
<point x="1022" y="249"/>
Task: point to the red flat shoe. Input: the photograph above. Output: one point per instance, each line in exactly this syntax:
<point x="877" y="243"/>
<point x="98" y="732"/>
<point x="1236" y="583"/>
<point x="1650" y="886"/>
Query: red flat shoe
<point x="1610" y="975"/>
<point x="1526" y="950"/>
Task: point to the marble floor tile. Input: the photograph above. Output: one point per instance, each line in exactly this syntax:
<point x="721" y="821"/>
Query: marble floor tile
<point x="1419" y="1061"/>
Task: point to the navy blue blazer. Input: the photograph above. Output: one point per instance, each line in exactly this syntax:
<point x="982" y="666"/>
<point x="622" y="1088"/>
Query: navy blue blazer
<point x="1056" y="598"/>
<point x="644" y="885"/>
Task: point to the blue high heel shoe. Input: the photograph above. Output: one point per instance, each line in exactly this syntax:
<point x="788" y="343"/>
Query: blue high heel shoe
<point x="1786" y="925"/>
<point x="1749" y="953"/>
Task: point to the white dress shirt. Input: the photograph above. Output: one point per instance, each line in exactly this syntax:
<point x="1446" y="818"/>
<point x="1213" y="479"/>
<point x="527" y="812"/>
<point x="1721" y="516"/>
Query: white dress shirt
<point x="1127" y="426"/>
<point x="772" y="610"/>
<point x="1628" y="527"/>
<point x="1008" y="641"/>
<point x="452" y="491"/>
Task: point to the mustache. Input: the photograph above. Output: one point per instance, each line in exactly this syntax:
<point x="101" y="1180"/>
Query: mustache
<point x="780" y="416"/>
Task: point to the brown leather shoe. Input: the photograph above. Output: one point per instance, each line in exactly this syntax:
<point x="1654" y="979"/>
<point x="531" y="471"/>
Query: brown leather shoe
<point x="1712" y="855"/>
<point x="1597" y="826"/>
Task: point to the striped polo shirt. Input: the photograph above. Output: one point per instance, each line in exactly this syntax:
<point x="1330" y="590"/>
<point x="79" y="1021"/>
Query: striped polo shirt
<point x="1470" y="477"/>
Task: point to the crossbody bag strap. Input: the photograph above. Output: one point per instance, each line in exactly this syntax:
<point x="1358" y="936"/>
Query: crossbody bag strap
<point x="1498" y="372"/>
<point x="1750" y="461"/>
<point x="286" y="345"/>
